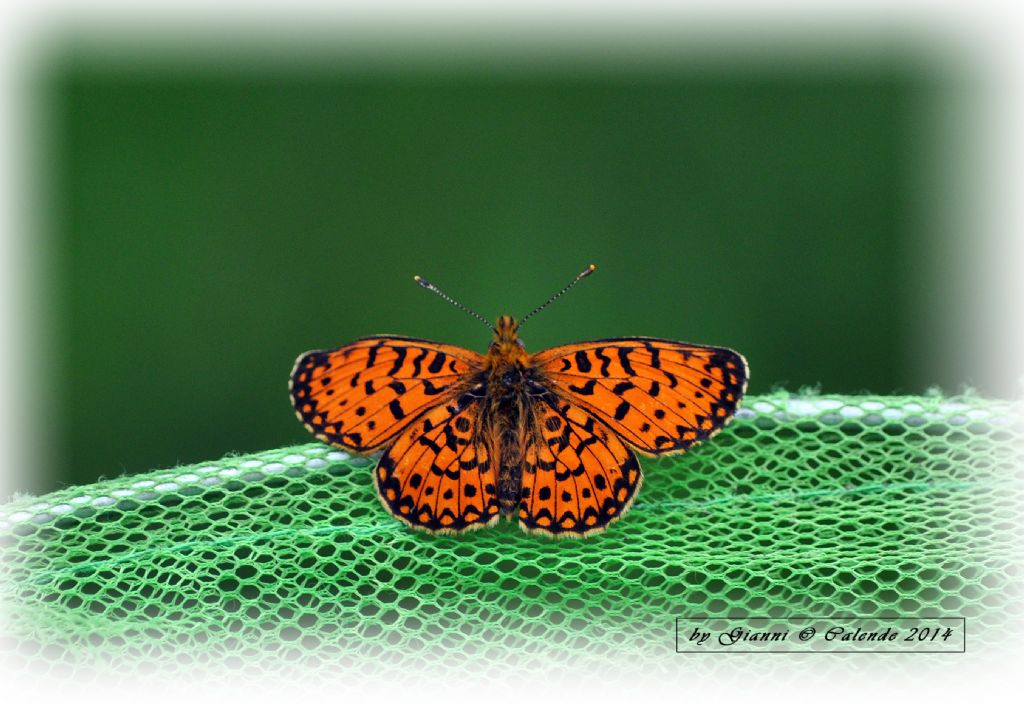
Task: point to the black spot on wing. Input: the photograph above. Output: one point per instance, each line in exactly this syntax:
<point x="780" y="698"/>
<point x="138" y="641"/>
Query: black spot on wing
<point x="437" y="363"/>
<point x="399" y="360"/>
<point x="425" y="441"/>
<point x="655" y="356"/>
<point x="371" y="356"/>
<point x="450" y="439"/>
<point x="395" y="407"/>
<point x="586" y="390"/>
<point x="418" y="361"/>
<point x="624" y="361"/>
<point x="432" y="390"/>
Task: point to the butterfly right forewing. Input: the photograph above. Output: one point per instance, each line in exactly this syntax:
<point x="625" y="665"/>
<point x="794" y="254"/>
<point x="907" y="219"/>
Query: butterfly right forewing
<point x="360" y="396"/>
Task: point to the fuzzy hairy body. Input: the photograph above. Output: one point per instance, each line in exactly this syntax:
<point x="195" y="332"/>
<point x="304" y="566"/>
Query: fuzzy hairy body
<point x="507" y="423"/>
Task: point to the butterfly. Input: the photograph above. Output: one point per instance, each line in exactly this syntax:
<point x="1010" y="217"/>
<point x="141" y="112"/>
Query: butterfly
<point x="548" y="439"/>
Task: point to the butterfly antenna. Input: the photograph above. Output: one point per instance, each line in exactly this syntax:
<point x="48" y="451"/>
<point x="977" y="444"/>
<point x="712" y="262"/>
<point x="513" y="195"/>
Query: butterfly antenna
<point x="585" y="273"/>
<point x="427" y="285"/>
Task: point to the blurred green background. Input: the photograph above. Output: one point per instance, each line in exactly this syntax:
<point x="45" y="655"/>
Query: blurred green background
<point x="211" y="222"/>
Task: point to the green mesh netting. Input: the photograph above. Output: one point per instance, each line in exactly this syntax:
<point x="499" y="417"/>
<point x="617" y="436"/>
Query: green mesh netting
<point x="256" y="564"/>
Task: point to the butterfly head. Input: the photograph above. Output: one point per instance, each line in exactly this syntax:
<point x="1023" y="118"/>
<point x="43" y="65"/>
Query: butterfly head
<point x="507" y="347"/>
<point x="506" y="335"/>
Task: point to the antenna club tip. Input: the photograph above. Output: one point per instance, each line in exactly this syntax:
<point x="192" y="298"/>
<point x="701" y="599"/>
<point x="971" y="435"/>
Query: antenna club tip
<point x="592" y="267"/>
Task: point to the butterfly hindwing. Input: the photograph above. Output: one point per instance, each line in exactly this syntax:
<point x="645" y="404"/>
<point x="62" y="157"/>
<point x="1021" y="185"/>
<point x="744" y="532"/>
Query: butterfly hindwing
<point x="361" y="395"/>
<point x="660" y="396"/>
<point x="438" y="474"/>
<point x="578" y="476"/>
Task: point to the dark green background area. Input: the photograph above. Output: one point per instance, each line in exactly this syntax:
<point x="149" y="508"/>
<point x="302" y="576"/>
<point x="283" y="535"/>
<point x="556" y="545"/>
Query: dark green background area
<point x="210" y="225"/>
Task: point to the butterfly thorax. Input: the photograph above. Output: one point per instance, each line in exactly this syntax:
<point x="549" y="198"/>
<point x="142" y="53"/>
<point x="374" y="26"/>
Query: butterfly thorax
<point x="509" y="371"/>
<point x="507" y="422"/>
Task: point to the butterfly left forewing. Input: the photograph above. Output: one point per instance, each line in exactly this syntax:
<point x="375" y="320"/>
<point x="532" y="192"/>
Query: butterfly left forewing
<point x="660" y="396"/>
<point x="361" y="395"/>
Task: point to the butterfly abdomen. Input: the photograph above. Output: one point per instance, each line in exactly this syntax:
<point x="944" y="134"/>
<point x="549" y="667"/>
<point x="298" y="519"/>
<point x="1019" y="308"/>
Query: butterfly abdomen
<point x="507" y="420"/>
<point x="511" y="470"/>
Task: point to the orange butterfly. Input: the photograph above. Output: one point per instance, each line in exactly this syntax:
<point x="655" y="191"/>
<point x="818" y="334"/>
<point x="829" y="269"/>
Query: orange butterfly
<point x="468" y="438"/>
